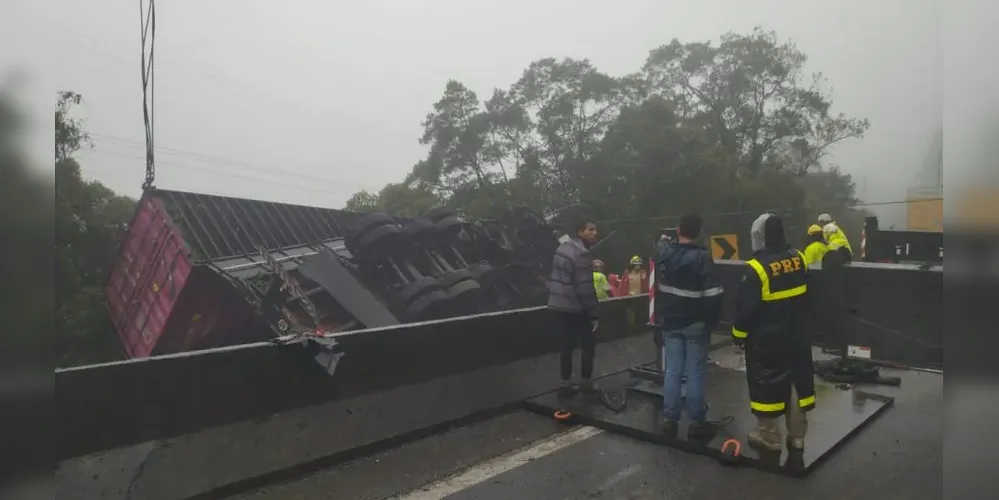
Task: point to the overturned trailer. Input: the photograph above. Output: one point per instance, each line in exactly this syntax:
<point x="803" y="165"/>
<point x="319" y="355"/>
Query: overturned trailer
<point x="199" y="271"/>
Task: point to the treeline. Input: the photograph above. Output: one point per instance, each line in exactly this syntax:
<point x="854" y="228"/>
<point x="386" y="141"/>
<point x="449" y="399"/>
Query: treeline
<point x="90" y="220"/>
<point x="738" y="126"/>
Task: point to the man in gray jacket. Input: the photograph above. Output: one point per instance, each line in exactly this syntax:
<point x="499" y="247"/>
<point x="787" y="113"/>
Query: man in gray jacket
<point x="573" y="298"/>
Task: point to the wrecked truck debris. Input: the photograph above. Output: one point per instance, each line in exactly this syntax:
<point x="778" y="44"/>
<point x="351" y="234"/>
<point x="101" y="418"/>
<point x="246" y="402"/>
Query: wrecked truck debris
<point x="199" y="271"/>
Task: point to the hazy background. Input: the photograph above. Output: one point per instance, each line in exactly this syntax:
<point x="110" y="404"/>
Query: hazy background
<point x="309" y="101"/>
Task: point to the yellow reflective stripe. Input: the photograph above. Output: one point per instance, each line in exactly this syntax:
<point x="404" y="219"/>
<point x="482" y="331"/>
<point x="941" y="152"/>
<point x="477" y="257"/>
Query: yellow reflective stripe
<point x="766" y="407"/>
<point x="764" y="279"/>
<point x="804" y="261"/>
<point x="765" y="293"/>
<point x="803" y="402"/>
<point x="739" y="334"/>
<point x="787" y="294"/>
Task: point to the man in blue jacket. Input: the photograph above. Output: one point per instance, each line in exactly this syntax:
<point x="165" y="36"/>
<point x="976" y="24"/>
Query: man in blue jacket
<point x="688" y="305"/>
<point x="573" y="298"/>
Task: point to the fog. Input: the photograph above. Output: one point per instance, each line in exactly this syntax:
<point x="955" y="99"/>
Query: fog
<point x="309" y="101"/>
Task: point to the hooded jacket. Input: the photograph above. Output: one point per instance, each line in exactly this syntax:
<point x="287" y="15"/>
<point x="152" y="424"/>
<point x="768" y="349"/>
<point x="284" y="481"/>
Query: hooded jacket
<point x="770" y="319"/>
<point x="687" y="287"/>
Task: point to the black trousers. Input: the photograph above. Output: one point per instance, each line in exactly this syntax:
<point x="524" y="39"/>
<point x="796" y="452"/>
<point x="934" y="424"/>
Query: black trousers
<point x="576" y="330"/>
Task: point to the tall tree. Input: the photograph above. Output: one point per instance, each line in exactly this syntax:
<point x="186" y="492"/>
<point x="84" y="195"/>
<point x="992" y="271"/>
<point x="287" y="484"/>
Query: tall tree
<point x="405" y="200"/>
<point x="362" y="201"/>
<point x="554" y="117"/>
<point x="751" y="94"/>
<point x="70" y="136"/>
<point x="90" y="220"/>
<point x="456" y="131"/>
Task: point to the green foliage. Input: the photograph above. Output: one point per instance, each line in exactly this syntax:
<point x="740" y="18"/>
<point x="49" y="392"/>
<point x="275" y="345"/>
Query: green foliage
<point x="736" y="127"/>
<point x="69" y="134"/>
<point x="362" y="201"/>
<point x="403" y="200"/>
<point x="90" y="220"/>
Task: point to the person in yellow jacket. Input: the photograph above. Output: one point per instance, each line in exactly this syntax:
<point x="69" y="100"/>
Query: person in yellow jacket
<point x="816" y="248"/>
<point x="835" y="238"/>
<point x="600" y="283"/>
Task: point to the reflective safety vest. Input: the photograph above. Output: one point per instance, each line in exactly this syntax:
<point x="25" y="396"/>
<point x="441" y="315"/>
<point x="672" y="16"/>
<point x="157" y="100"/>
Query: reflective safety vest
<point x="601" y="285"/>
<point x="838" y="239"/>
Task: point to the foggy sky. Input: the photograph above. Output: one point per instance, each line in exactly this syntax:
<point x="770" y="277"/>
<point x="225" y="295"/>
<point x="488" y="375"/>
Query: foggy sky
<point x="308" y="101"/>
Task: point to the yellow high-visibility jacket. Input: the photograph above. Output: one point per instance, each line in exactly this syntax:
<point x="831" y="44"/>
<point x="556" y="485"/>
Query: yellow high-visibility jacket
<point x="814" y="252"/>
<point x="837" y="238"/>
<point x="601" y="285"/>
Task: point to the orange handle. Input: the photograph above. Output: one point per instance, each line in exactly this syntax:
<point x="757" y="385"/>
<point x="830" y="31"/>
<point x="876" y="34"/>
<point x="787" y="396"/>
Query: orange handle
<point x="562" y="415"/>
<point x="735" y="444"/>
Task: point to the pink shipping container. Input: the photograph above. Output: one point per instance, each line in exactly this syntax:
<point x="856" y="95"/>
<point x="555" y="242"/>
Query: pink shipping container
<point x="165" y="293"/>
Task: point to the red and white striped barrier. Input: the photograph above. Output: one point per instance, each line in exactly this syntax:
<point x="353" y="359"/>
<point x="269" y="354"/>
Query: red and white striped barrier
<point x="863" y="244"/>
<point x="652" y="292"/>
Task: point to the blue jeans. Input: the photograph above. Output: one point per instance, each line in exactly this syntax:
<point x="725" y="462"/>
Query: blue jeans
<point x="686" y="354"/>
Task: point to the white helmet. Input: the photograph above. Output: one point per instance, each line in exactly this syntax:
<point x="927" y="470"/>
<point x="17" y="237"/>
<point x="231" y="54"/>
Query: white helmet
<point x="825" y="218"/>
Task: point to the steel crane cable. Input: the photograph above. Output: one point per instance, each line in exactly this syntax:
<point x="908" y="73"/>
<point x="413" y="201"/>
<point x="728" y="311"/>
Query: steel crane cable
<point x="147" y="23"/>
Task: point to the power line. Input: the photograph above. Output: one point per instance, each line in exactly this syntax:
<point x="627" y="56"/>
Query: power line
<point x="248" y="166"/>
<point x="220" y="172"/>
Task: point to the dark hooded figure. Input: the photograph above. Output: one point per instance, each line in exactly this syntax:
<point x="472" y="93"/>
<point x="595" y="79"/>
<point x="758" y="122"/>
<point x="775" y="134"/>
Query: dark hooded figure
<point x="770" y="326"/>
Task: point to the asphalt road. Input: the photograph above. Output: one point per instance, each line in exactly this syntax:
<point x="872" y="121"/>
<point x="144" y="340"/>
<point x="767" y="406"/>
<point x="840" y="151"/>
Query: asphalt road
<point x="522" y="455"/>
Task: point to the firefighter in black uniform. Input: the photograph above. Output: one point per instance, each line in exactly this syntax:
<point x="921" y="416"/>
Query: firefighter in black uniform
<point x="770" y="326"/>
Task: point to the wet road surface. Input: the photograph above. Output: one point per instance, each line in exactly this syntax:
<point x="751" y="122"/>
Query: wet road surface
<point x="521" y="455"/>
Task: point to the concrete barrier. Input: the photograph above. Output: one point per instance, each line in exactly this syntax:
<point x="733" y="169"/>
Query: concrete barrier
<point x="251" y="413"/>
<point x="224" y="460"/>
<point x="118" y="404"/>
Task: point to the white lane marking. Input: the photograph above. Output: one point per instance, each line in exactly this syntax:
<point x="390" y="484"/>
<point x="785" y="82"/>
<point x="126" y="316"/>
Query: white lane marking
<point x="491" y="468"/>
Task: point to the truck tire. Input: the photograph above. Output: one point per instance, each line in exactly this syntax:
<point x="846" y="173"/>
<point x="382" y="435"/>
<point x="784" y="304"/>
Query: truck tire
<point x="364" y="225"/>
<point x="379" y="242"/>
<point x="447" y="229"/>
<point x="458" y="276"/>
<point x="419" y="229"/>
<point x="414" y="290"/>
<point x="431" y="305"/>
<point x="465" y="292"/>
<point x="436" y="214"/>
<point x="499" y="237"/>
<point x="483" y="272"/>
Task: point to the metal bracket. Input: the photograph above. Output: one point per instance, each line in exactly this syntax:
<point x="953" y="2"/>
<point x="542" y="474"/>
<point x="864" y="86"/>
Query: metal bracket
<point x="328" y="356"/>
